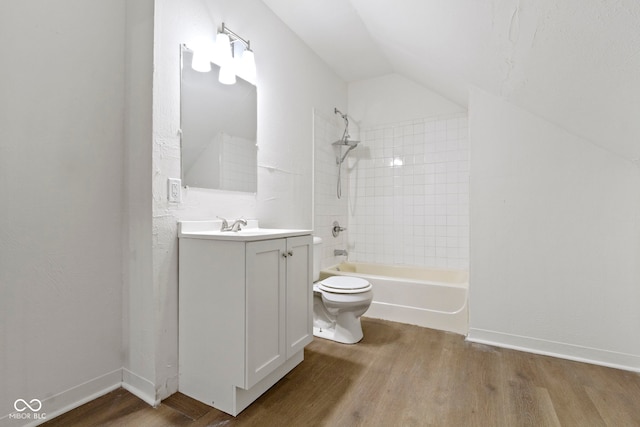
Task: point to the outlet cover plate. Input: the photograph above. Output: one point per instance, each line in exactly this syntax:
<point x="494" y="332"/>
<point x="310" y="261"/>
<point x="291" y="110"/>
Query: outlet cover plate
<point x="174" y="193"/>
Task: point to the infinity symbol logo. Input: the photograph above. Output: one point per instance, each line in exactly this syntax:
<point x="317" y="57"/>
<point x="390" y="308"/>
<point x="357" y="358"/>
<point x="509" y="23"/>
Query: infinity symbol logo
<point x="21" y="405"/>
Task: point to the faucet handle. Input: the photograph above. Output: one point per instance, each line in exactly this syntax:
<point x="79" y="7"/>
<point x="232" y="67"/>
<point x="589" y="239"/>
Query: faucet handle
<point x="225" y="224"/>
<point x="337" y="229"/>
<point x="238" y="223"/>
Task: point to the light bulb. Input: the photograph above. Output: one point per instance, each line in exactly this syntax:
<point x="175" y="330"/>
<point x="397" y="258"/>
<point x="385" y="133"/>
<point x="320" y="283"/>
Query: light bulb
<point x="222" y="52"/>
<point x="227" y="75"/>
<point x="200" y="62"/>
<point x="248" y="66"/>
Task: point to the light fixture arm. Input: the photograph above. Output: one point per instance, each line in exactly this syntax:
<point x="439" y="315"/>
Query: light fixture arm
<point x="232" y="53"/>
<point x="235" y="37"/>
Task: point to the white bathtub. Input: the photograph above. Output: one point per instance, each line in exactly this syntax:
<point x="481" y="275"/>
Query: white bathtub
<point x="425" y="297"/>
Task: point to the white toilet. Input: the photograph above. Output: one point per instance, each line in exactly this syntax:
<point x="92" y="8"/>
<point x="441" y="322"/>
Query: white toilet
<point x="338" y="303"/>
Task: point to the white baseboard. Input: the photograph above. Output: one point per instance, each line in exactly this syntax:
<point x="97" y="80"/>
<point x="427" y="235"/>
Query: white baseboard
<point x="67" y="400"/>
<point x="139" y="387"/>
<point x="611" y="359"/>
<point x="79" y="395"/>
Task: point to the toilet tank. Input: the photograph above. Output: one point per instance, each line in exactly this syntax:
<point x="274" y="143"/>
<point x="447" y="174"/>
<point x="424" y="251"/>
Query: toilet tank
<point x="317" y="255"/>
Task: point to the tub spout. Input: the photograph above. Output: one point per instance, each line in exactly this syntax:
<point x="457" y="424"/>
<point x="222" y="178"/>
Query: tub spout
<point x="340" y="252"/>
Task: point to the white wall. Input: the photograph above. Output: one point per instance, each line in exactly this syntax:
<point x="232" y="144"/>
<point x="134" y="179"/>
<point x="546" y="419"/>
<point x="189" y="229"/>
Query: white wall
<point x="291" y="81"/>
<point x="394" y="98"/>
<point x="138" y="319"/>
<point x="555" y="239"/>
<point x="61" y="225"/>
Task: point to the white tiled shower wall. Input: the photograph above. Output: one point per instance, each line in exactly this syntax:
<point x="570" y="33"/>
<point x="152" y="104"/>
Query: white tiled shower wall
<point x="409" y="194"/>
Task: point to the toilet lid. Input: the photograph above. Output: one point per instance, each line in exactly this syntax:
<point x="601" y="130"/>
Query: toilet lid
<point x="344" y="284"/>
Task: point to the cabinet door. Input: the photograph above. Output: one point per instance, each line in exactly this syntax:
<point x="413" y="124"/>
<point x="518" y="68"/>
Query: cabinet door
<point x="299" y="293"/>
<point x="265" y="286"/>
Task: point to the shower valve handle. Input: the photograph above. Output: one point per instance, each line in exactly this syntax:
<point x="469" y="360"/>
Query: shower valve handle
<point x="337" y="229"/>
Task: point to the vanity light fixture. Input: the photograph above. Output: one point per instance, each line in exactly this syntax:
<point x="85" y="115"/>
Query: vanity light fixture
<point x="234" y="56"/>
<point x="249" y="65"/>
<point x="231" y="52"/>
<point x="222" y="50"/>
<point x="200" y="61"/>
<point x="227" y="74"/>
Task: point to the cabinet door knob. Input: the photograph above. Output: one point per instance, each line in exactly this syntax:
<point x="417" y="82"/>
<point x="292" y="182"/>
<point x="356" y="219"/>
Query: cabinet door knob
<point x="287" y="254"/>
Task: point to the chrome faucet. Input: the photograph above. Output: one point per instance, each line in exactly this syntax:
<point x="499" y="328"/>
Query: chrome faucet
<point x="238" y="223"/>
<point x="225" y="225"/>
<point x="236" y="226"/>
<point x="339" y="252"/>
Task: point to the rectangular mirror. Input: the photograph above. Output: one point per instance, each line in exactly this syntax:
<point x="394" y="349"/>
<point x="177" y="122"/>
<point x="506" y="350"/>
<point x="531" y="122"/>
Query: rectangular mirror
<point x="218" y="123"/>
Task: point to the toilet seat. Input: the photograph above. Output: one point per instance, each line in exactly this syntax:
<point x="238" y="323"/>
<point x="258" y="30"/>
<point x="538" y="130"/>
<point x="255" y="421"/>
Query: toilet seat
<point x="344" y="285"/>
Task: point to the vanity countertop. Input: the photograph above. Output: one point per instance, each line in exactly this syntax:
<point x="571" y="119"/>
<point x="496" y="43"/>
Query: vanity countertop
<point x="250" y="232"/>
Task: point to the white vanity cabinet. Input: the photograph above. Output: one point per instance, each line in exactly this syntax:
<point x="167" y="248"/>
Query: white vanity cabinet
<point x="245" y="314"/>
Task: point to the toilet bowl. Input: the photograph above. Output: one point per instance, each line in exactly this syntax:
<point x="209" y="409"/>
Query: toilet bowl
<point x="338" y="303"/>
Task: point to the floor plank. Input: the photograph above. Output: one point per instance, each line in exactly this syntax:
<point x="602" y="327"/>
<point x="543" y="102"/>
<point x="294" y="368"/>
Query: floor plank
<point x="403" y="375"/>
<point x="187" y="406"/>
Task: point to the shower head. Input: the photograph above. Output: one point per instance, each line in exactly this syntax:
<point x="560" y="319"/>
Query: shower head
<point x="344" y="141"/>
<point x="345" y="135"/>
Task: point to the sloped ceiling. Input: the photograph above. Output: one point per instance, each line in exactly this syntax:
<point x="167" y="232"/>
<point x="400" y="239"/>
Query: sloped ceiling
<point x="574" y="62"/>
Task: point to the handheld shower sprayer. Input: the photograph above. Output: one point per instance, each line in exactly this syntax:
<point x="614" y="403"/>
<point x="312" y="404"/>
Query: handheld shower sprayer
<point x="345" y="134"/>
<point x="343" y="142"/>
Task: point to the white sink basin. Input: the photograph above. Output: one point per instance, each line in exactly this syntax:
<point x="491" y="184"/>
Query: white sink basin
<point x="250" y="232"/>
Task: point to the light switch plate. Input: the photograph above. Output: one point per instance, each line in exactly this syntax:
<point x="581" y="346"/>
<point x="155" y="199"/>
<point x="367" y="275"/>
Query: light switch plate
<point x="173" y="190"/>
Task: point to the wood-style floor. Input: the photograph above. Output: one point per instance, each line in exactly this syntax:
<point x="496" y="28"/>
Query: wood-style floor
<point x="402" y="375"/>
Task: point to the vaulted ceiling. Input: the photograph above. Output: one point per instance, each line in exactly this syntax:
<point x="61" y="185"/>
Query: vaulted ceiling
<point x="574" y="62"/>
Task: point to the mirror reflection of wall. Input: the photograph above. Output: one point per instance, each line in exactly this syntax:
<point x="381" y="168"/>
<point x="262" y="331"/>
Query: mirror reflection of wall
<point x="218" y="130"/>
